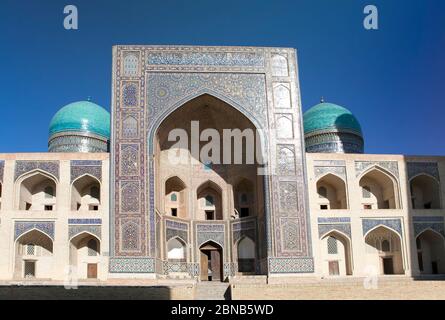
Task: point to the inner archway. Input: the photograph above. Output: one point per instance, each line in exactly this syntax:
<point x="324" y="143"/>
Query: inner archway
<point x="379" y="190"/>
<point x="37" y="192"/>
<point x="336" y="253"/>
<point x="176" y="198"/>
<point x="194" y="143"/>
<point x="331" y="193"/>
<point x="431" y="252"/>
<point x="384" y="251"/>
<point x="85" y="194"/>
<point x="85" y="255"/>
<point x="34" y="256"/>
<point x="425" y="192"/>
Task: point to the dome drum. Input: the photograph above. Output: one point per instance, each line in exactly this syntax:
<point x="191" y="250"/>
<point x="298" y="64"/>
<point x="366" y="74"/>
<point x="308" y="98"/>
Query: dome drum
<point x="330" y="128"/>
<point x="80" y="127"/>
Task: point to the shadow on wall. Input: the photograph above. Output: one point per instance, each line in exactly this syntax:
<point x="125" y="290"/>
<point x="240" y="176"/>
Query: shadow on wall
<point x="425" y="192"/>
<point x="85" y="293"/>
<point x="351" y="143"/>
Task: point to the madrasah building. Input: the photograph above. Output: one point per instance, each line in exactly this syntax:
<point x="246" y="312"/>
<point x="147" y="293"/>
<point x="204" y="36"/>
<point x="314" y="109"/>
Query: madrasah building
<point x="106" y="203"/>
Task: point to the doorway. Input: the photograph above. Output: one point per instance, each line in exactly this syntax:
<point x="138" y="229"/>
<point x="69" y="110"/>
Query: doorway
<point x="388" y="266"/>
<point x="92" y="271"/>
<point x="211" y="262"/>
<point x="30" y="269"/>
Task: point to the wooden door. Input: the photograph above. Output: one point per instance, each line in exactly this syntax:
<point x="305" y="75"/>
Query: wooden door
<point x="216" y="265"/>
<point x="92" y="270"/>
<point x="204" y="267"/>
<point x="334" y="269"/>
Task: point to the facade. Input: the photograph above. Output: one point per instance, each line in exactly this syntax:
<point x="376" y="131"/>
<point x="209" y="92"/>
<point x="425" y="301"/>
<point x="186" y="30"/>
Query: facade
<point x="319" y="207"/>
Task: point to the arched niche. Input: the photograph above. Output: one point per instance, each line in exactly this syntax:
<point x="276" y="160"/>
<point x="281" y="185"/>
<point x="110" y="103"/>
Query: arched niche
<point x="336" y="254"/>
<point x="37" y="192"/>
<point x="331" y="191"/>
<point x="85" y="251"/>
<point x="33" y="255"/>
<point x="246" y="256"/>
<point x="209" y="201"/>
<point x="176" y="250"/>
<point x="430" y="252"/>
<point x="425" y="192"/>
<point x="86" y="194"/>
<point x="379" y="190"/>
<point x="176" y="198"/>
<point x="384" y="251"/>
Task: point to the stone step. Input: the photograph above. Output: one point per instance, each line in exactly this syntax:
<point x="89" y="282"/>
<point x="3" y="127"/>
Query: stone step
<point x="212" y="291"/>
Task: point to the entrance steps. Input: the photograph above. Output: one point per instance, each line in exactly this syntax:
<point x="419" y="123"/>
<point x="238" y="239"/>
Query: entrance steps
<point x="209" y="290"/>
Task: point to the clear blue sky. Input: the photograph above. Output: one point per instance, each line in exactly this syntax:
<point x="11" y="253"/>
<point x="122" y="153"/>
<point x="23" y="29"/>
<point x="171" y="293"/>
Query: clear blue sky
<point x="392" y="79"/>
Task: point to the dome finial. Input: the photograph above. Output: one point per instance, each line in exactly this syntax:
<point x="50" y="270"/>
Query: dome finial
<point x="89" y="98"/>
<point x="322" y="99"/>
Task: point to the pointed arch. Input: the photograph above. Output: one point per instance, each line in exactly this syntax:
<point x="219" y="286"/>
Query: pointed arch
<point x="430" y="245"/>
<point x="177" y="249"/>
<point x="383" y="187"/>
<point x="342" y="259"/>
<point x="336" y="196"/>
<point x="246" y="254"/>
<point x="425" y="192"/>
<point x="85" y="193"/>
<point x="384" y="250"/>
<point x="33" y="255"/>
<point x="176" y="194"/>
<point x="210" y="209"/>
<point x="30" y="191"/>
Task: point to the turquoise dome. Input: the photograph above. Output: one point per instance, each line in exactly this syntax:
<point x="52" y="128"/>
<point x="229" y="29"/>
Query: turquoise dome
<point x="82" y="116"/>
<point x="328" y="116"/>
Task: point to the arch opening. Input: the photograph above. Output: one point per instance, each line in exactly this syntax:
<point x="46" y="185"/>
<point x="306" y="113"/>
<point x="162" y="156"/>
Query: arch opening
<point x="33" y="256"/>
<point x="384" y="251"/>
<point x="425" y="192"/>
<point x="37" y="192"/>
<point x="430" y="252"/>
<point x="379" y="190"/>
<point x="85" y="255"/>
<point x="246" y="256"/>
<point x="244" y="198"/>
<point x="331" y="193"/>
<point x="85" y="194"/>
<point x="176" y="198"/>
<point x="337" y="256"/>
<point x="176" y="250"/>
<point x="189" y="143"/>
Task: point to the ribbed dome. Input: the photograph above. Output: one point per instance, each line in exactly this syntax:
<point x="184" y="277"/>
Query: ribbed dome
<point x="82" y="116"/>
<point x="329" y="116"/>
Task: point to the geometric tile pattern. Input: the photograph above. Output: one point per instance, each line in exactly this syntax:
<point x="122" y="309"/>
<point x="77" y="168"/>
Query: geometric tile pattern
<point x="22" y="167"/>
<point x="162" y="79"/>
<point x="82" y="167"/>
<point x="132" y="265"/>
<point x="429" y="168"/>
<point x="394" y="224"/>
<point x="74" y="230"/>
<point x="423" y="223"/>
<point x="391" y="166"/>
<point x="210" y="232"/>
<point x="21" y="227"/>
<point x="291" y="265"/>
<point x="85" y="221"/>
